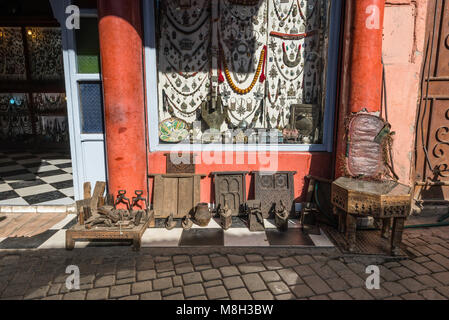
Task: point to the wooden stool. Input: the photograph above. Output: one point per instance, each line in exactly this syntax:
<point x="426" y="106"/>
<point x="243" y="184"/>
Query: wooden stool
<point x="383" y="200"/>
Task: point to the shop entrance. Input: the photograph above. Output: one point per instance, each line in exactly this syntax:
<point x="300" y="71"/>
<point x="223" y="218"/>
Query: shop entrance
<point x="35" y="159"/>
<point x="432" y="166"/>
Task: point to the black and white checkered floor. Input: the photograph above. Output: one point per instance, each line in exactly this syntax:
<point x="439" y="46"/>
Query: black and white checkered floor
<point x="211" y="236"/>
<point x="35" y="179"/>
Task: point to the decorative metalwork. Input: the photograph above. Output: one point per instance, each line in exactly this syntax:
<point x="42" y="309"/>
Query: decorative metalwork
<point x="271" y="188"/>
<point x="12" y="58"/>
<point x="45" y="48"/>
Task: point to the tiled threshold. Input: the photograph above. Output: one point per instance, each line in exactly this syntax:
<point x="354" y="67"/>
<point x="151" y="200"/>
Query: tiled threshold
<point x="38" y="209"/>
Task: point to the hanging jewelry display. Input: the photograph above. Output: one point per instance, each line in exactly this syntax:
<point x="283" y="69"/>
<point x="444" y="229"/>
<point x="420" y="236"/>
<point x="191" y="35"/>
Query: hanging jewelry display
<point x="45" y="47"/>
<point x="184" y="62"/>
<point x="12" y="58"/>
<point x="242" y="60"/>
<point x="259" y="69"/>
<point x="241" y="64"/>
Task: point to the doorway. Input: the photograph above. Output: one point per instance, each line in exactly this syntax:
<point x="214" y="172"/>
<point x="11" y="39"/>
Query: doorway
<point x="432" y="142"/>
<point x="35" y="158"/>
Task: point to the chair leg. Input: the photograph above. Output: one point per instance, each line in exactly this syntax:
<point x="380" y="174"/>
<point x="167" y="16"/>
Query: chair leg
<point x="351" y="227"/>
<point x="341" y="221"/>
<point x="386" y="224"/>
<point x="396" y="235"/>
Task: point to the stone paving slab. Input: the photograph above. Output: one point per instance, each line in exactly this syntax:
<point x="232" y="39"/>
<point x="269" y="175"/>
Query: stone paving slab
<point x="119" y="273"/>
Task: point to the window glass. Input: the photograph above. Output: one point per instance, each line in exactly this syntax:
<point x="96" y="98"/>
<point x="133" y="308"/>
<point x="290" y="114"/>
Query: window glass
<point x="234" y="69"/>
<point x="87" y="46"/>
<point x="91" y="105"/>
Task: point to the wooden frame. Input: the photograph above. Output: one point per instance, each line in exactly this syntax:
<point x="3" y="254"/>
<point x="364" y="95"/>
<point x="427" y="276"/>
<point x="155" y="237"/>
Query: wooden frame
<point x="176" y="193"/>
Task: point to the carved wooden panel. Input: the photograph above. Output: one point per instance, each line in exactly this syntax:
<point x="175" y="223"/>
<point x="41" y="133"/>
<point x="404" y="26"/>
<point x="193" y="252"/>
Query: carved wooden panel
<point x="271" y="188"/>
<point x="176" y="193"/>
<point x="230" y="189"/>
<point x="180" y="163"/>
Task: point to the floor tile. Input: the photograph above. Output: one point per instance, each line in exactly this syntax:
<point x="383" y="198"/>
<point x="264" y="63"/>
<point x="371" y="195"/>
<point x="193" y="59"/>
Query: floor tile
<point x="5" y="187"/>
<point x="64" y="165"/>
<point x="63" y="184"/>
<point x="56" y="241"/>
<point x="4" y="171"/>
<point x="14" y="202"/>
<point x="26" y="183"/>
<point x="321" y="240"/>
<point x="35" y="190"/>
<point x="68" y="170"/>
<point x="36" y="164"/>
<point x="6" y="162"/>
<point x="28" y="161"/>
<point x="14" y="173"/>
<point x="58" y="202"/>
<point x="61" y="224"/>
<point x="58" y="178"/>
<point x="11" y="194"/>
<point x="51" y="173"/>
<point x="69" y="192"/>
<point x="27" y="176"/>
<point x="20" y="156"/>
<point x="38" y="169"/>
<point x="156" y="237"/>
<point x="288" y="238"/>
<point x="27" y="242"/>
<point x="242" y="237"/>
<point x="44" y="197"/>
<point x="212" y="224"/>
<point x="59" y="161"/>
<point x="202" y="238"/>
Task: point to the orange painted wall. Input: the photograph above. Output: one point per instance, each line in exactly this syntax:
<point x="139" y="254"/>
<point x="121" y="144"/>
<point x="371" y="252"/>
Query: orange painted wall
<point x="304" y="163"/>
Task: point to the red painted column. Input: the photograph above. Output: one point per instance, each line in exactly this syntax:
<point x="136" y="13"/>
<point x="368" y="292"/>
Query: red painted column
<point x="122" y="72"/>
<point x="361" y="67"/>
<point x="366" y="55"/>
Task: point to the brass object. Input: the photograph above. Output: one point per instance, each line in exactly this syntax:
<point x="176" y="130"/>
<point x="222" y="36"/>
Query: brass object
<point x="281" y="217"/>
<point x="225" y="217"/>
<point x="176" y="193"/>
<point x="187" y="222"/>
<point x="255" y="216"/>
<point x="304" y="118"/>
<point x="202" y="214"/>
<point x="383" y="200"/>
<point x="170" y="223"/>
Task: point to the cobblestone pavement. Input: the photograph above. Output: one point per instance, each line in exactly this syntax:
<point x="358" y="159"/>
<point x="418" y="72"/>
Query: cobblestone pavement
<point x="119" y="273"/>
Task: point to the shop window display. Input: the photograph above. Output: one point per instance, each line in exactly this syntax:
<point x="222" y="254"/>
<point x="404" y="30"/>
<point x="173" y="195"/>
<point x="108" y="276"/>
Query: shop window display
<point x="247" y="66"/>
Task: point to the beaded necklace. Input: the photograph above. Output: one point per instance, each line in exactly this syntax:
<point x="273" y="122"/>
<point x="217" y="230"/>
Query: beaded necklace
<point x="287" y="61"/>
<point x="302" y="13"/>
<point x="236" y="15"/>
<point x="260" y="68"/>
<point x="184" y="93"/>
<point x="278" y="14"/>
<point x="282" y="74"/>
<point x="179" y="29"/>
<point x="186" y="75"/>
<point x="173" y="105"/>
<point x="182" y="24"/>
<point x="278" y="92"/>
